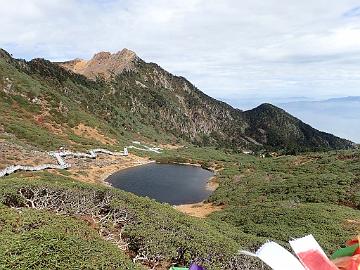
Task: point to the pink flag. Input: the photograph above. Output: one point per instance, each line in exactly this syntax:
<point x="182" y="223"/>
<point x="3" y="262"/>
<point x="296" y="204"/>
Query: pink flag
<point x="311" y="255"/>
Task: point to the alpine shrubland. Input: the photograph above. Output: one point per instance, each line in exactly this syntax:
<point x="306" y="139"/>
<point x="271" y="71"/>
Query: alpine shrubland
<point x="50" y="220"/>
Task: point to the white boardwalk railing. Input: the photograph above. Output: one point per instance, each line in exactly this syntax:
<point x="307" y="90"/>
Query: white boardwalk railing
<point x="62" y="164"/>
<point x="145" y="148"/>
<point x="15" y="168"/>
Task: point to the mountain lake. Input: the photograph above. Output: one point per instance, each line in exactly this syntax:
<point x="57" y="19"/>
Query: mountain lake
<point x="174" y="184"/>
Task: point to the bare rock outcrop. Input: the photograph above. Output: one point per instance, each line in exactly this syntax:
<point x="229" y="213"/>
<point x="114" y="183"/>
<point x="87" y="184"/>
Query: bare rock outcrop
<point x="103" y="64"/>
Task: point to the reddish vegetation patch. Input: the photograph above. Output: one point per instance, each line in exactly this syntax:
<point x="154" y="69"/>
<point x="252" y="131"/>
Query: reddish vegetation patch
<point x="43" y="120"/>
<point x="40" y="119"/>
<point x="89" y="220"/>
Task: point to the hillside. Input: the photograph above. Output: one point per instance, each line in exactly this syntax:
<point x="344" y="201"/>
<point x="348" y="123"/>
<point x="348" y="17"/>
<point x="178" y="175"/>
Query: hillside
<point x="275" y="127"/>
<point x="131" y="96"/>
<point x="47" y="216"/>
<point x="211" y="121"/>
<point x="68" y="219"/>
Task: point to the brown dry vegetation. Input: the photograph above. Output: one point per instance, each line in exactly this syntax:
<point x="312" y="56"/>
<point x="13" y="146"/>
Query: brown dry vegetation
<point x="200" y="210"/>
<point x="92" y="133"/>
<point x="302" y="160"/>
<point x="82" y="169"/>
<point x="97" y="170"/>
<point x="14" y="154"/>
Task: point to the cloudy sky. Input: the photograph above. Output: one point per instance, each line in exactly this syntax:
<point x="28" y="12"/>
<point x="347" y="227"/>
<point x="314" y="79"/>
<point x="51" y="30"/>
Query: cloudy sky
<point x="235" y="50"/>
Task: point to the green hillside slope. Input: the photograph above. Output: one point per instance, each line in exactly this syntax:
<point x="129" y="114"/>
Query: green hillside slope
<point x="50" y="220"/>
<point x="150" y="232"/>
<point x="147" y="101"/>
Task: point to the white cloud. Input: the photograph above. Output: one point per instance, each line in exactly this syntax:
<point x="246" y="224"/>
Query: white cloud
<point x="229" y="49"/>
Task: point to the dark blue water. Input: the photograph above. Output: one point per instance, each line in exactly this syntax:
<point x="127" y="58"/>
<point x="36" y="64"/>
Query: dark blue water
<point x="174" y="184"/>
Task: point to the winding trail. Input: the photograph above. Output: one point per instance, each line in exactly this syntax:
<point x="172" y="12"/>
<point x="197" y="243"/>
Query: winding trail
<point x="62" y="164"/>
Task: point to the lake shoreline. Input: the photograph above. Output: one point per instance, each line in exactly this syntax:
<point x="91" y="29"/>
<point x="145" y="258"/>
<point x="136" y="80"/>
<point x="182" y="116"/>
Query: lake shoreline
<point x="98" y="170"/>
<point x="107" y="175"/>
<point x="202" y="209"/>
<point x="174" y="184"/>
<point x="199" y="209"/>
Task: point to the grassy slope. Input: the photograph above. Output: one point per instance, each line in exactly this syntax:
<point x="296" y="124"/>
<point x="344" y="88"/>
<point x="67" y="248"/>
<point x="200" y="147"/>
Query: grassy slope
<point x="32" y="239"/>
<point x="148" y="104"/>
<point x="155" y="228"/>
<point x="285" y="197"/>
<point x="270" y="198"/>
<point x="276" y="198"/>
<point x="63" y="103"/>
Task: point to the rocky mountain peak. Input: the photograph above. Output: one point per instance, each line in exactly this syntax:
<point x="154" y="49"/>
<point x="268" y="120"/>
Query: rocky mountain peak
<point x="101" y="56"/>
<point x="127" y="53"/>
<point x="103" y="64"/>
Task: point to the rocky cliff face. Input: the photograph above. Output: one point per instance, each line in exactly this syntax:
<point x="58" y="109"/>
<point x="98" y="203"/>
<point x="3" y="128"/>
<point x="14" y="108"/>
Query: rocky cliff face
<point x="103" y="64"/>
<point x="137" y="96"/>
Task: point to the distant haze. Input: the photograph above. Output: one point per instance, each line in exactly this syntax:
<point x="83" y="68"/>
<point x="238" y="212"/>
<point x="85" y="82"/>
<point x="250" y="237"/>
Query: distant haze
<point x="340" y="117"/>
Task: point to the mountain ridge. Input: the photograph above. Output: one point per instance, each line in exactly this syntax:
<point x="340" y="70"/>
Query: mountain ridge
<point x="169" y="104"/>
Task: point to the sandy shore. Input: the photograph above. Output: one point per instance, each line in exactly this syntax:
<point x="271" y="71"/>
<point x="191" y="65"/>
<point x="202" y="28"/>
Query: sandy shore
<point x="97" y="170"/>
<point x="213" y="184"/>
<point x="202" y="209"/>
